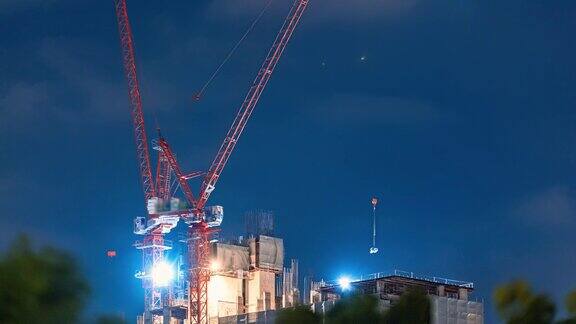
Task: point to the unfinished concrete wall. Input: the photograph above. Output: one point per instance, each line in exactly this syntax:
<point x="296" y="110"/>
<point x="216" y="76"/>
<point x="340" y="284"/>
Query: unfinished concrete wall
<point x="224" y="296"/>
<point x="260" y="291"/>
<point x="230" y="257"/>
<point x="266" y="253"/>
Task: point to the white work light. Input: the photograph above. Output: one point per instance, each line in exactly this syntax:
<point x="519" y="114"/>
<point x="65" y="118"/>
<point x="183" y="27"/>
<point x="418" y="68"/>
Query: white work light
<point x="162" y="274"/>
<point x="344" y="283"/>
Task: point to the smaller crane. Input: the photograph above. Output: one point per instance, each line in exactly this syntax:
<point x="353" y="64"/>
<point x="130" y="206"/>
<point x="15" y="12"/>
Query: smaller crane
<point x="373" y="248"/>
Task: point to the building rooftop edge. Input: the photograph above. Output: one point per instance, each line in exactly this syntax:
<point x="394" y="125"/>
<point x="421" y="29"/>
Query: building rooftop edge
<point x="407" y="275"/>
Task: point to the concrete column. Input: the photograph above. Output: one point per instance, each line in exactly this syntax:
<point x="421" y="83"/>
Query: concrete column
<point x="441" y="291"/>
<point x="463" y="294"/>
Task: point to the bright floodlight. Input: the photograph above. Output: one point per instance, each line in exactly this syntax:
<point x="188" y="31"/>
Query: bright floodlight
<point x="214" y="265"/>
<point x="162" y="274"/>
<point x="344" y="283"/>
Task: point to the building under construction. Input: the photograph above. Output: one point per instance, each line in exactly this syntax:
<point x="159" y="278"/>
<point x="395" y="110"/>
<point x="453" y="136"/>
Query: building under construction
<point x="249" y="284"/>
<point x="450" y="299"/>
<point x="248" y="279"/>
<point x="243" y="280"/>
<point x="256" y="261"/>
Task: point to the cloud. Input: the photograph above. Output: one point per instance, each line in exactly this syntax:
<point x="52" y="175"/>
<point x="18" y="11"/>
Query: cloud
<point x="101" y="98"/>
<point x="22" y="100"/>
<point x="353" y="109"/>
<point x="323" y="10"/>
<point x="554" y="206"/>
<point x="361" y="10"/>
<point x="99" y="94"/>
<point x="75" y="89"/>
<point x="11" y="6"/>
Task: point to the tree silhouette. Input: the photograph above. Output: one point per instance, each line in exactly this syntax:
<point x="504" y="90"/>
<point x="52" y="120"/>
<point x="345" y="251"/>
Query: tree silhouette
<point x="298" y="314"/>
<point x="412" y="307"/>
<point x="355" y="309"/>
<point x="517" y="303"/>
<point x="570" y="308"/>
<point x="571" y="303"/>
<point x="110" y="319"/>
<point x="42" y="286"/>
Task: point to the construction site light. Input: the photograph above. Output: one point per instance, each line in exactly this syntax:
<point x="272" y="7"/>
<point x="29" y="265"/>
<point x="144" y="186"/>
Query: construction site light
<point x="162" y="274"/>
<point x="215" y="265"/>
<point x="344" y="283"/>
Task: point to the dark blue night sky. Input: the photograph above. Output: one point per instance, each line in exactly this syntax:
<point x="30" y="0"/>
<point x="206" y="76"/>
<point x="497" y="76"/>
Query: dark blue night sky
<point x="461" y="119"/>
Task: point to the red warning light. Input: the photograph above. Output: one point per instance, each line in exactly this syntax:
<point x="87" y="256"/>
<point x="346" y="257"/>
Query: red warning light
<point x="111" y="253"/>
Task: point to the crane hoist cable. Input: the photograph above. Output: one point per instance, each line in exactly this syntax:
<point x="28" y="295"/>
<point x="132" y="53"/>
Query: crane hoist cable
<point x="373" y="248"/>
<point x="198" y="95"/>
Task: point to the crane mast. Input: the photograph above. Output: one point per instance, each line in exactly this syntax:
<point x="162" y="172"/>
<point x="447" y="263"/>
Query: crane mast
<point x="153" y="245"/>
<point x="163" y="175"/>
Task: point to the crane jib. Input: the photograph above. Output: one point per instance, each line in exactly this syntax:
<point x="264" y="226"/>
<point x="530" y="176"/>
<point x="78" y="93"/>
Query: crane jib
<point x="251" y="100"/>
<point x="129" y="62"/>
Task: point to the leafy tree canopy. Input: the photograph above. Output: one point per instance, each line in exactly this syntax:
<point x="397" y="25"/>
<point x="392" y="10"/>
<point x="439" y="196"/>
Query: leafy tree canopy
<point x="355" y="309"/>
<point x="518" y="304"/>
<point x="412" y="307"/>
<point x="298" y="314"/>
<point x="43" y="286"/>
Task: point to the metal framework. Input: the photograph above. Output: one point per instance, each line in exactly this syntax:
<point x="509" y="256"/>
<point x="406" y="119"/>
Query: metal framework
<point x="163" y="173"/>
<point x="200" y="229"/>
<point x="199" y="252"/>
<point x="251" y="100"/>
<point x="127" y="46"/>
<point x="199" y="272"/>
<point x="180" y="177"/>
<point x="153" y="245"/>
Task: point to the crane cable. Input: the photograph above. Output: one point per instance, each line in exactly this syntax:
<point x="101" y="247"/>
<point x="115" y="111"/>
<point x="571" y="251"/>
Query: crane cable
<point x="199" y="94"/>
<point x="373" y="248"/>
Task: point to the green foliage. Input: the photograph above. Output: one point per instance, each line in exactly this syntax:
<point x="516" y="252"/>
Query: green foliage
<point x="540" y="310"/>
<point x="517" y="304"/>
<point x="42" y="286"/>
<point x="355" y="309"/>
<point x="413" y="307"/>
<point x="110" y="319"/>
<point x="571" y="308"/>
<point x="568" y="321"/>
<point x="298" y="314"/>
<point x="571" y="303"/>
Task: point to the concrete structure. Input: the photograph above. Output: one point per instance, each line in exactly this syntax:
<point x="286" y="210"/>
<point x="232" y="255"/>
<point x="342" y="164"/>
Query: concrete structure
<point x="248" y="280"/>
<point x="244" y="276"/>
<point x="450" y="299"/>
<point x="290" y="290"/>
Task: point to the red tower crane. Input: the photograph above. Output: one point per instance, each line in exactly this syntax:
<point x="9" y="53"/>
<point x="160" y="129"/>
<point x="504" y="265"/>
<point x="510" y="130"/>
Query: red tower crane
<point x="202" y="220"/>
<point x="129" y="61"/>
<point x="152" y="227"/>
<point x="200" y="231"/>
